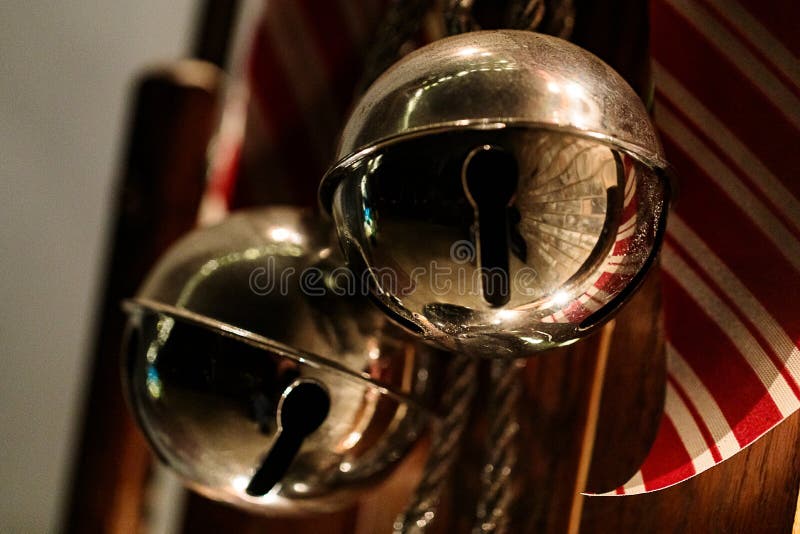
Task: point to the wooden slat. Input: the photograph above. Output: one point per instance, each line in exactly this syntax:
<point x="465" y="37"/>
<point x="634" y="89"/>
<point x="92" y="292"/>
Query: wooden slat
<point x="162" y="182"/>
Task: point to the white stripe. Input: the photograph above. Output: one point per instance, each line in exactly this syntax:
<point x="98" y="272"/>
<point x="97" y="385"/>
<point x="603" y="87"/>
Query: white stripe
<point x="745" y="301"/>
<point x="305" y="72"/>
<point x="714" y="129"/>
<point x="244" y="28"/>
<point x="688" y="431"/>
<point x="624" y="264"/>
<point x="760" y="37"/>
<point x="625" y="234"/>
<point x="734" y="330"/>
<point x="725" y="178"/>
<point x="622" y="268"/>
<point x="631" y="260"/>
<point x="703" y="402"/>
<point x="589" y="303"/>
<point x="627" y="225"/>
<point x="635" y="484"/>
<point x="632" y="487"/>
<point x="629" y="191"/>
<point x="598" y="294"/>
<point x="630" y="181"/>
<point x="741" y="57"/>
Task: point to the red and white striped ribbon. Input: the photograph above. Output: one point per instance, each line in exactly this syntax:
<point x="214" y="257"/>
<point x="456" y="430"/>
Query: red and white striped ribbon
<point x="728" y="107"/>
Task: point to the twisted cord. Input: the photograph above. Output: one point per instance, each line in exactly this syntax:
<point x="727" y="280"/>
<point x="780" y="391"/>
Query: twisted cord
<point x="498" y="492"/>
<point x="526" y="15"/>
<point x="553" y="16"/>
<point x="461" y="386"/>
<point x="558" y="20"/>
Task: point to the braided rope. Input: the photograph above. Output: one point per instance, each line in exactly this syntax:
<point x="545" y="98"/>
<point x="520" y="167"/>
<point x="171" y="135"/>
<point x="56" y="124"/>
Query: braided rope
<point x="461" y="386"/>
<point x="555" y="17"/>
<point x="526" y="15"/>
<point x="499" y="493"/>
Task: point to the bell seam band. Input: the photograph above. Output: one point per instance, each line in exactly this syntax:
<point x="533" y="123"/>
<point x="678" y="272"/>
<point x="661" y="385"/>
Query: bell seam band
<point x="330" y="181"/>
<point x="255" y="340"/>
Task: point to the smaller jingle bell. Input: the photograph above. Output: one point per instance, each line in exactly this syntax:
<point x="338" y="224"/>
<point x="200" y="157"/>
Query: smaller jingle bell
<point x="504" y="190"/>
<point x="263" y="380"/>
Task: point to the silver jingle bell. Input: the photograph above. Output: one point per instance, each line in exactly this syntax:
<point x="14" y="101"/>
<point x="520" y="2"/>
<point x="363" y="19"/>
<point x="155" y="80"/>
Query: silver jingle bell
<point x="505" y="191"/>
<point x="260" y="379"/>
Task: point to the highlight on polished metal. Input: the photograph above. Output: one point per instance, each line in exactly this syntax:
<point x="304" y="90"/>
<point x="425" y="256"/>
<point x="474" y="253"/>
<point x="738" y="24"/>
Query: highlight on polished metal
<point x="278" y="401"/>
<point x="510" y="157"/>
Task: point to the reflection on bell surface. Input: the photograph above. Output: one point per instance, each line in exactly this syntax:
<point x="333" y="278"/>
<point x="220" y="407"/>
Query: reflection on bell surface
<point x="262" y="380"/>
<point x="505" y="191"/>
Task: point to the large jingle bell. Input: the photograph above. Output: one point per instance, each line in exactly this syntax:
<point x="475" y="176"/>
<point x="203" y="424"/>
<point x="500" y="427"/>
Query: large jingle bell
<point x="259" y="376"/>
<point x="505" y="191"/>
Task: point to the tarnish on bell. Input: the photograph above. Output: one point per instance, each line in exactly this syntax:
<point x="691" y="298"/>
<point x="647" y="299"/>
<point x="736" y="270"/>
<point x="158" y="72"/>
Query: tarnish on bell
<point x="260" y="378"/>
<point x="505" y="189"/>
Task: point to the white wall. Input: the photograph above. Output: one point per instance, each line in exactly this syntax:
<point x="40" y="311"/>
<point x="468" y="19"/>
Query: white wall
<point x="65" y="71"/>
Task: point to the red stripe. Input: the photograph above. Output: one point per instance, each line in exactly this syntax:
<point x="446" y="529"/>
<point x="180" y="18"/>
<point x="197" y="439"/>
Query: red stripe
<point x="269" y="82"/>
<point x="577" y="312"/>
<point x="776" y="359"/>
<point x="743" y="399"/>
<point x="698" y="419"/>
<point x="279" y="107"/>
<point x="605" y="280"/>
<point x="333" y="44"/>
<point x="725" y="91"/>
<point x="792" y="185"/>
<point x="668" y="461"/>
<point x="622" y="246"/>
<point x="612" y="282"/>
<point x="779" y="17"/>
<point x="738" y="242"/>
